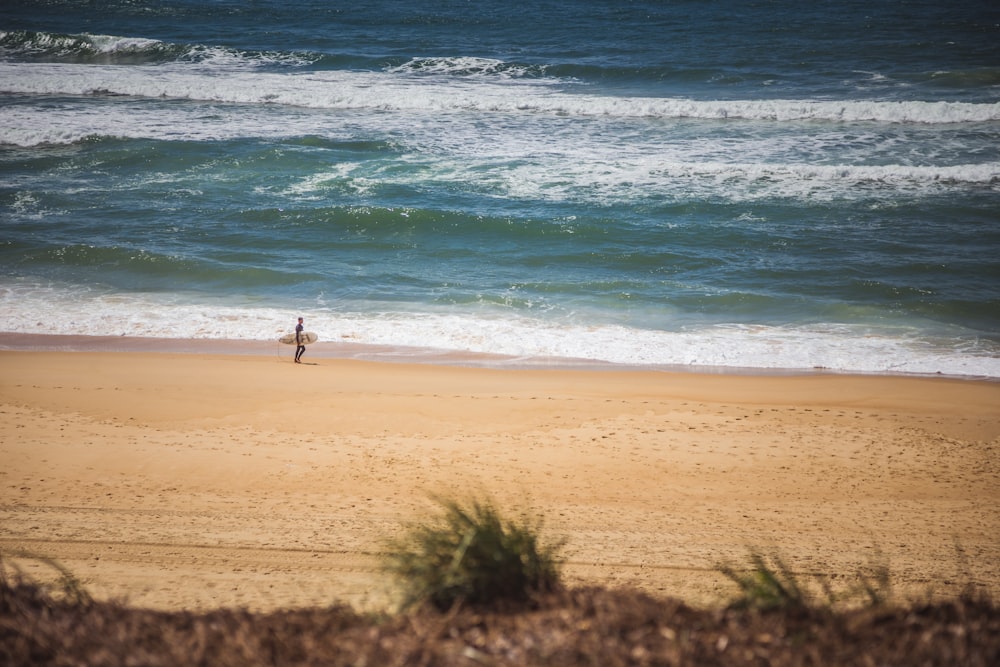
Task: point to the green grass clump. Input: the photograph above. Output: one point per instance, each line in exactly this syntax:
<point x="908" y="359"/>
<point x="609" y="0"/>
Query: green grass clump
<point x="471" y="554"/>
<point x="769" y="584"/>
<point x="766" y="586"/>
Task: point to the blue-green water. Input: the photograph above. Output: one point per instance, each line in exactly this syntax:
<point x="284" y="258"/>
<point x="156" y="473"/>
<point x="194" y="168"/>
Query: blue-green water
<point x="735" y="184"/>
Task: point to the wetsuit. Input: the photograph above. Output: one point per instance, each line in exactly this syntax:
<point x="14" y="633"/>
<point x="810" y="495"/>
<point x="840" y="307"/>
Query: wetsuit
<point x="298" y="339"/>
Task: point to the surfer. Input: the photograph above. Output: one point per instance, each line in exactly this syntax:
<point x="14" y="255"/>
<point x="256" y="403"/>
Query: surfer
<point x="300" y="348"/>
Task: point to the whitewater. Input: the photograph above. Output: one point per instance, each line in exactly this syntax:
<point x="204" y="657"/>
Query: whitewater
<point x="439" y="190"/>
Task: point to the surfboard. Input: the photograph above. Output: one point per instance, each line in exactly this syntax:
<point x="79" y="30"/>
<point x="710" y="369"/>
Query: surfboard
<point x="306" y="338"/>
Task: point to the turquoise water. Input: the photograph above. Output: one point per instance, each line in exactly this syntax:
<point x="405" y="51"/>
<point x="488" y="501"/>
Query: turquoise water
<point x="731" y="184"/>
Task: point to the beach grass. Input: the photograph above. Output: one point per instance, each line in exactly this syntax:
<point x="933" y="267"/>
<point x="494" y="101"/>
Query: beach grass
<point x="471" y="553"/>
<point x="769" y="583"/>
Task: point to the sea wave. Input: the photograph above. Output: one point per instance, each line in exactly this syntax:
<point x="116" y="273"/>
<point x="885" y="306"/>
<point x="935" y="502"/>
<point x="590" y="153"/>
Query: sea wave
<point x="88" y="49"/>
<point x="391" y="91"/>
<point x="468" y="67"/>
<point x="24" y="44"/>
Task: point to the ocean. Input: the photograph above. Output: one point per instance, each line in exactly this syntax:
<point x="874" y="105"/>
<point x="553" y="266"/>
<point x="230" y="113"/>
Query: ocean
<point x="729" y="185"/>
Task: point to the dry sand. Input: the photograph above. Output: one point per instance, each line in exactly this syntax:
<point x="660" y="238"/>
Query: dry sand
<point x="205" y="480"/>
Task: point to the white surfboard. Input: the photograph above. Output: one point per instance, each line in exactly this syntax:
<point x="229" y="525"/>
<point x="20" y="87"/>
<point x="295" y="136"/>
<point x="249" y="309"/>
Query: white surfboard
<point x="305" y="338"/>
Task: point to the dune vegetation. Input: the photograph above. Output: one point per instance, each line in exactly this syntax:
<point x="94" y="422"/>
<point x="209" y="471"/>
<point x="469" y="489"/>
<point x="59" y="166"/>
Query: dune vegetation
<point x="481" y="589"/>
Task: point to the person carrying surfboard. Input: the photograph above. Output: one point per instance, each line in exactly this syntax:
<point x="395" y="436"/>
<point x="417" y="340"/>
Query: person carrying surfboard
<point x="300" y="349"/>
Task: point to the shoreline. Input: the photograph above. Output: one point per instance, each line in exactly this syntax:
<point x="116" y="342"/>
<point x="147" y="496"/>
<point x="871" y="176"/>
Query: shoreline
<point x="195" y="480"/>
<point x="15" y="342"/>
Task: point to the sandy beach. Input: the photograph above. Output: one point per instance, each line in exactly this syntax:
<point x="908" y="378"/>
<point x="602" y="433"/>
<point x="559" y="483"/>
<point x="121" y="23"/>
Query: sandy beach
<point x="182" y="480"/>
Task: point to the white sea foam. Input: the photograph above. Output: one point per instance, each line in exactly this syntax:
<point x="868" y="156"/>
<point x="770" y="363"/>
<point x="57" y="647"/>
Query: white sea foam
<point x="520" y="153"/>
<point x="578" y="167"/>
<point x="465" y="66"/>
<point x="391" y="91"/>
<point x="597" y="164"/>
<point x="28" y="309"/>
